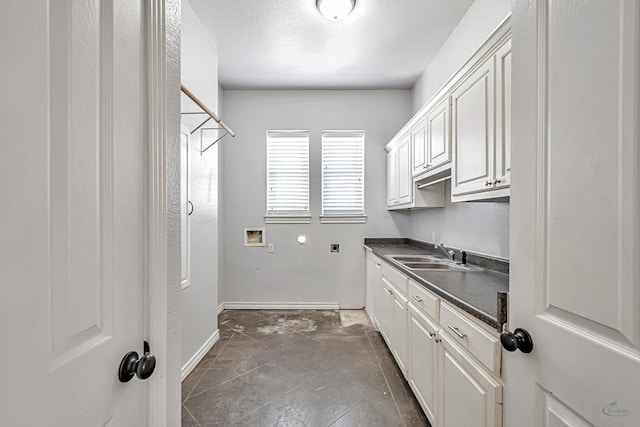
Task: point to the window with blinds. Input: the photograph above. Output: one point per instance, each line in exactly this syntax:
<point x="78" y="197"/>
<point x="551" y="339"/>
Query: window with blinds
<point x="288" y="174"/>
<point x="342" y="176"/>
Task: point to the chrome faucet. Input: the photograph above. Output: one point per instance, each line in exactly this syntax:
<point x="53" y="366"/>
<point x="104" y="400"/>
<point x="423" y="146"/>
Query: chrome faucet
<point x="448" y="252"/>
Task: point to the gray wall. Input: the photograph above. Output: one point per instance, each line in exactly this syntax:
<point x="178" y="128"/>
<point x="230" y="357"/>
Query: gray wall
<point x="309" y="273"/>
<point x="199" y="300"/>
<point x="475" y="226"/>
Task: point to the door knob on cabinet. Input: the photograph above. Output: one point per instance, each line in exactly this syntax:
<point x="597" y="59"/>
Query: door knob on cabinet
<point x="141" y="367"/>
<point x="516" y="340"/>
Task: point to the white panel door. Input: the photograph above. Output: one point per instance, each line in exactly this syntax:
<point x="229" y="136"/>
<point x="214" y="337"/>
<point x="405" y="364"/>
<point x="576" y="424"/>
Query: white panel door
<point x="575" y="214"/>
<point x="72" y="174"/>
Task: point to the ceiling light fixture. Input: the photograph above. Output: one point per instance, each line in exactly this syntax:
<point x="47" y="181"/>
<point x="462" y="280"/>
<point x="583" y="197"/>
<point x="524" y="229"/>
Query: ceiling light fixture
<point x="335" y="10"/>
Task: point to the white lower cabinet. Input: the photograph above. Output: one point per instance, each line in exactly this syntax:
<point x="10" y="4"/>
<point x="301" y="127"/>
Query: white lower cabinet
<point x="469" y="395"/>
<point x="422" y="358"/>
<point x="373" y="287"/>
<point x="399" y="328"/>
<point x="454" y="376"/>
<point x="394" y="322"/>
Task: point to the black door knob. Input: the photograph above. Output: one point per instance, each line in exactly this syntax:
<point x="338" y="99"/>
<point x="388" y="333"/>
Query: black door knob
<point x="141" y="367"/>
<point x="518" y="340"/>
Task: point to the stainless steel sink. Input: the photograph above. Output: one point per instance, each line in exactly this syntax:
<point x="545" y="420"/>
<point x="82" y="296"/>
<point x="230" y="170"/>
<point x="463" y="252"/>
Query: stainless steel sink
<point x="428" y="262"/>
<point x="440" y="266"/>
<point x="416" y="258"/>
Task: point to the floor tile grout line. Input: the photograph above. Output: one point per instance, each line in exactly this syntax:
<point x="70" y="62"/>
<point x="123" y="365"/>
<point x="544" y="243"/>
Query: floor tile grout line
<point x="238" y="375"/>
<point x="207" y="368"/>
<point x="348" y="410"/>
<point x="190" y="414"/>
<point x="395" y="402"/>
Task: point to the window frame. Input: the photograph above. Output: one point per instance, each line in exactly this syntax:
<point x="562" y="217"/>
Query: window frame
<point x="345" y="217"/>
<point x="292" y="216"/>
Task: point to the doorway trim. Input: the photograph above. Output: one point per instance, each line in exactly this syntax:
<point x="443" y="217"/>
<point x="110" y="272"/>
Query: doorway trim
<point x="162" y="240"/>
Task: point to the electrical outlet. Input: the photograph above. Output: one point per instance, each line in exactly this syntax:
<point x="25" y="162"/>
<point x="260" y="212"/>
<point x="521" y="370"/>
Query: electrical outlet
<point x="335" y="247"/>
<point x="270" y="248"/>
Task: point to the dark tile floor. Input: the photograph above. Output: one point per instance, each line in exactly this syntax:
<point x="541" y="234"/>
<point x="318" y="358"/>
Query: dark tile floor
<point x="297" y="368"/>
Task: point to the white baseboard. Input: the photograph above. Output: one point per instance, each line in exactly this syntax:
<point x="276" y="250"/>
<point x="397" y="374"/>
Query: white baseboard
<point x="193" y="362"/>
<point x="281" y="306"/>
<point x="221" y="308"/>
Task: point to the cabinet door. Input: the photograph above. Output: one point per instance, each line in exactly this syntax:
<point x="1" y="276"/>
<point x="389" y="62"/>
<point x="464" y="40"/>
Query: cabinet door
<point x="503" y="116"/>
<point x="422" y="360"/>
<point x="399" y="330"/>
<point x="378" y="294"/>
<point x="473" y="132"/>
<point x="404" y="176"/>
<point x="469" y="395"/>
<point x="420" y="151"/>
<point x="438" y="135"/>
<point x="386" y="313"/>
<point x="392" y="179"/>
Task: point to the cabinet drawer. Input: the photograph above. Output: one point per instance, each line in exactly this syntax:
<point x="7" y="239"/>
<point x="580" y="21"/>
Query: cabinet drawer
<point x="398" y="279"/>
<point x="424" y="300"/>
<point x="480" y="343"/>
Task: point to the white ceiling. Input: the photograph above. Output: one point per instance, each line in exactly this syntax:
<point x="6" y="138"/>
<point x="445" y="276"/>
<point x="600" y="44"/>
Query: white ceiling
<point x="287" y="43"/>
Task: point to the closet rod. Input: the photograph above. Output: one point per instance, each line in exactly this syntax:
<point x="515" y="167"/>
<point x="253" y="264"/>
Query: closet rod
<point x="207" y="110"/>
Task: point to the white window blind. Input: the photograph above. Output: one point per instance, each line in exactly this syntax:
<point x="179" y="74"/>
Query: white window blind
<point x="287" y="173"/>
<point x="342" y="173"/>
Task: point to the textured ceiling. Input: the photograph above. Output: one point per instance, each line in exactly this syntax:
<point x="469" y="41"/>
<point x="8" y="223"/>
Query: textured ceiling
<point x="288" y="44"/>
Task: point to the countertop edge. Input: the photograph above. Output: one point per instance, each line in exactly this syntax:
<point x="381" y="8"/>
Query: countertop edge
<point x="484" y="317"/>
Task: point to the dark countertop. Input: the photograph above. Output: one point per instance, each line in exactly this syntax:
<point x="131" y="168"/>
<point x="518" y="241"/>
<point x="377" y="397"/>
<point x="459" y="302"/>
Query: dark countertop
<point x="480" y="292"/>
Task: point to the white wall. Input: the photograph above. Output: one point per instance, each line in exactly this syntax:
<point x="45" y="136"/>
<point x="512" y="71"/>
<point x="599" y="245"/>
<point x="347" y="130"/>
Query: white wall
<point x="481" y="19"/>
<point x="476" y="226"/>
<point x="310" y="273"/>
<point x="199" y="300"/>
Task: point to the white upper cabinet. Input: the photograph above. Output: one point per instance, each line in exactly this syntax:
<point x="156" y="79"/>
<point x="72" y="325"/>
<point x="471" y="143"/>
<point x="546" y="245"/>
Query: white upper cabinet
<point x="419" y="144"/>
<point x="473" y="132"/>
<point x="438" y="135"/>
<point x="403" y="176"/>
<point x="503" y="116"/>
<point x="431" y="141"/>
<point x="463" y="131"/>
<point x="481" y="130"/>
<point x="401" y="188"/>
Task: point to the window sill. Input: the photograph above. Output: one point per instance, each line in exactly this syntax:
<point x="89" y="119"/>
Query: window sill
<point x="287" y="219"/>
<point x="343" y="219"/>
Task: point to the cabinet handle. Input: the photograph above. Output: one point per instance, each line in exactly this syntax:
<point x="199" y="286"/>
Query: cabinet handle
<point x="431" y="334"/>
<point x="487" y="184"/>
<point x="457" y="331"/>
<point x="425" y="166"/>
<point x="378" y="264"/>
<point x="497" y="181"/>
<point x="417" y="298"/>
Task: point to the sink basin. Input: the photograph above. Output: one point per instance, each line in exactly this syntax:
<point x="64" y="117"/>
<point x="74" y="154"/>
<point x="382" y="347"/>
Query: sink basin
<point x="428" y="262"/>
<point x="440" y="266"/>
<point x="416" y="258"/>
